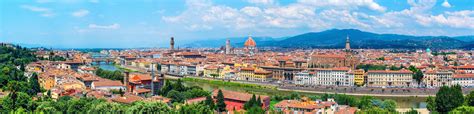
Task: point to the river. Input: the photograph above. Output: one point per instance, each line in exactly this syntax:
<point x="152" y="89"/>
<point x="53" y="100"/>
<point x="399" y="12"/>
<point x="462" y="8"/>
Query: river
<point x="402" y="102"/>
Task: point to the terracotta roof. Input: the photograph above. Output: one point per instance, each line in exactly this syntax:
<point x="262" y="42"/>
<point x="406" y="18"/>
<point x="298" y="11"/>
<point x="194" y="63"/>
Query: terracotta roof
<point x="141" y="90"/>
<point x="238" y="95"/>
<point x="390" y="71"/>
<point x="250" y="42"/>
<point x="463" y="76"/>
<point x="107" y="83"/>
<point x="127" y="99"/>
<point x="298" y="104"/>
<point x="195" y="100"/>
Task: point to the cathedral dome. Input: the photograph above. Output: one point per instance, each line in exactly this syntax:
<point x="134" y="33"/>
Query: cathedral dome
<point x="250" y="42"/>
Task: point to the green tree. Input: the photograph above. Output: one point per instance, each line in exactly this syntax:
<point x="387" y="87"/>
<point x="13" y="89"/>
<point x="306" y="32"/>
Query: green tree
<point x="176" y="96"/>
<point x="146" y="107"/>
<point x="448" y="98"/>
<point x="255" y="110"/>
<point x="16" y="100"/>
<point x="431" y="104"/>
<point x="221" y="106"/>
<point x="252" y="102"/>
<point x="34" y="84"/>
<point x="470" y="99"/>
<point x="389" y="105"/>
<point x="366" y="102"/>
<point x="463" y="110"/>
<point x="210" y="102"/>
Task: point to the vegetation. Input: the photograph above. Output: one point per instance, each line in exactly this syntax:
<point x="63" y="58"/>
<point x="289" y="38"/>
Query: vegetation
<point x="178" y="92"/>
<point x="225" y="83"/>
<point x="220" y="105"/>
<point x="113" y="75"/>
<point x="417" y="73"/>
<point x="442" y="53"/>
<point x="448" y="98"/>
<point x="368" y="67"/>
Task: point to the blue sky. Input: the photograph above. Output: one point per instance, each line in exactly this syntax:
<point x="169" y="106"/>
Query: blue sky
<point x="150" y="23"/>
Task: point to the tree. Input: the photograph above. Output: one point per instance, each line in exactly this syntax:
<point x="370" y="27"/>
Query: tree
<point x="255" y="110"/>
<point x="463" y="110"/>
<point x="178" y="86"/>
<point x="34" y="84"/>
<point x="221" y="106"/>
<point x="252" y="102"/>
<point x="470" y="99"/>
<point x="418" y="76"/>
<point x="431" y="104"/>
<point x="210" y="102"/>
<point x="16" y="100"/>
<point x="144" y="107"/>
<point x="176" y="96"/>
<point x="366" y="102"/>
<point x="448" y="98"/>
<point x="389" y="105"/>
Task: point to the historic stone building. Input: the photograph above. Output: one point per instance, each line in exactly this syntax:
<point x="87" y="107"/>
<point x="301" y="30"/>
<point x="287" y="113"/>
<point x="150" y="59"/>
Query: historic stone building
<point x="345" y="59"/>
<point x="250" y="47"/>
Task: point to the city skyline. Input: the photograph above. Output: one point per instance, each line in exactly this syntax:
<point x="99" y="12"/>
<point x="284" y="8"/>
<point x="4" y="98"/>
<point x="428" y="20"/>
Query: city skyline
<point x="125" y="24"/>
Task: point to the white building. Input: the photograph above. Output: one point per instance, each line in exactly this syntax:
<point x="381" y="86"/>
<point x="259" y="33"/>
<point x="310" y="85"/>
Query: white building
<point x="107" y="85"/>
<point x="305" y="78"/>
<point x="437" y="78"/>
<point x="388" y="78"/>
<point x="334" y="77"/>
<point x="464" y="80"/>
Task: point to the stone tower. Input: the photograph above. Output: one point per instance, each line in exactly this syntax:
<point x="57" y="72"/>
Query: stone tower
<point x="172" y="44"/>
<point x="348" y="44"/>
<point x="227" y="47"/>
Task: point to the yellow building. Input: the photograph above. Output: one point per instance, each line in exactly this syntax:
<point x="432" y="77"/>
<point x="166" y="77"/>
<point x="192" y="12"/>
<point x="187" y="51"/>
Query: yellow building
<point x="254" y="74"/>
<point x="359" y="77"/>
<point x="46" y="81"/>
<point x="212" y="71"/>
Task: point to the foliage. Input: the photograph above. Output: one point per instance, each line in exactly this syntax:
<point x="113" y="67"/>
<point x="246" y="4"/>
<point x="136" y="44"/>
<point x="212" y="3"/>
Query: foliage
<point x="113" y="75"/>
<point x="176" y="96"/>
<point x="16" y="100"/>
<point x="253" y="102"/>
<point x="195" y="109"/>
<point x="470" y="99"/>
<point x="220" y="105"/>
<point x="448" y="98"/>
<point x="463" y="110"/>
<point x="178" y="92"/>
<point x="209" y="102"/>
<point x="431" y="104"/>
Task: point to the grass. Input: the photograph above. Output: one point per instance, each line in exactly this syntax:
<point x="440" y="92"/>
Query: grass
<point x="231" y="84"/>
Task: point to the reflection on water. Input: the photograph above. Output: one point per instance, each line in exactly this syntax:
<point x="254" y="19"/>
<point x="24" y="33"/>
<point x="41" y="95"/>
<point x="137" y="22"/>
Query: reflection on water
<point x="402" y="102"/>
<point x="105" y="66"/>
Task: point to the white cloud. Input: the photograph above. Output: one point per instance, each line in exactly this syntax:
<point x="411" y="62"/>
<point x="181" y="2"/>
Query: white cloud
<point x="45" y="12"/>
<point x="370" y="4"/>
<point x="446" y="4"/>
<point x="80" y="13"/>
<point x="263" y="2"/>
<point x="112" y="26"/>
<point x="320" y="15"/>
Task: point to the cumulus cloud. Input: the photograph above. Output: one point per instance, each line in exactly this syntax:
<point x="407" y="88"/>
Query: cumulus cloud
<point x="45" y="12"/>
<point x="112" y="26"/>
<point x="320" y="15"/>
<point x="80" y="13"/>
<point x="446" y="4"/>
<point x="264" y="2"/>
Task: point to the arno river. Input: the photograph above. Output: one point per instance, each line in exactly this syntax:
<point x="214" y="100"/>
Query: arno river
<point x="402" y="102"/>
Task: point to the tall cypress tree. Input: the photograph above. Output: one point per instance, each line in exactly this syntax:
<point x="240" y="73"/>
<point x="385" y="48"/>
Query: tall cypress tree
<point x="210" y="102"/>
<point x="220" y="102"/>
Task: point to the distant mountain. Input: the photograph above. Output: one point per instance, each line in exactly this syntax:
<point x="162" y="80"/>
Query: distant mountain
<point x="335" y="38"/>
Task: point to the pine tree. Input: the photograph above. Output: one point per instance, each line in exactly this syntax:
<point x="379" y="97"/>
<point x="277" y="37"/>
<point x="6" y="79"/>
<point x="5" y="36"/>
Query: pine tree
<point x="249" y="104"/>
<point x="259" y="102"/>
<point x="210" y="103"/>
<point x="221" y="106"/>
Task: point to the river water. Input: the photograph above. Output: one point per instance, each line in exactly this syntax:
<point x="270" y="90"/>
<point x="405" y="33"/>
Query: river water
<point x="402" y="102"/>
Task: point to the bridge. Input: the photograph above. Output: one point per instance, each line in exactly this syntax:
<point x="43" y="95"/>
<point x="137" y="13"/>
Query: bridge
<point x="99" y="58"/>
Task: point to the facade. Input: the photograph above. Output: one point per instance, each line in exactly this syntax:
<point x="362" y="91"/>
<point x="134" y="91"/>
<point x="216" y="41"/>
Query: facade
<point x="334" y="77"/>
<point x="437" y="78"/>
<point x="107" y="85"/>
<point x="464" y="80"/>
<point x="359" y="77"/>
<point x="236" y="100"/>
<point x="227" y="47"/>
<point x="307" y="106"/>
<point x="305" y="78"/>
<point x="388" y="78"/>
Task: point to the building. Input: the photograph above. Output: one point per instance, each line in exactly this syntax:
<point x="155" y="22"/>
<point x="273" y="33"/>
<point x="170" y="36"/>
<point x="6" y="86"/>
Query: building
<point x="254" y="74"/>
<point x="172" y="44"/>
<point x="334" y="77"/>
<point x="437" y="78"/>
<point x="141" y="83"/>
<point x="227" y="47"/>
<point x="389" y="78"/>
<point x="307" y="106"/>
<point x="305" y="78"/>
<point x="464" y="80"/>
<point x="331" y="60"/>
<point x="359" y="77"/>
<point x="466" y="69"/>
<point x="107" y="85"/>
<point x="250" y="47"/>
<point x="236" y="100"/>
